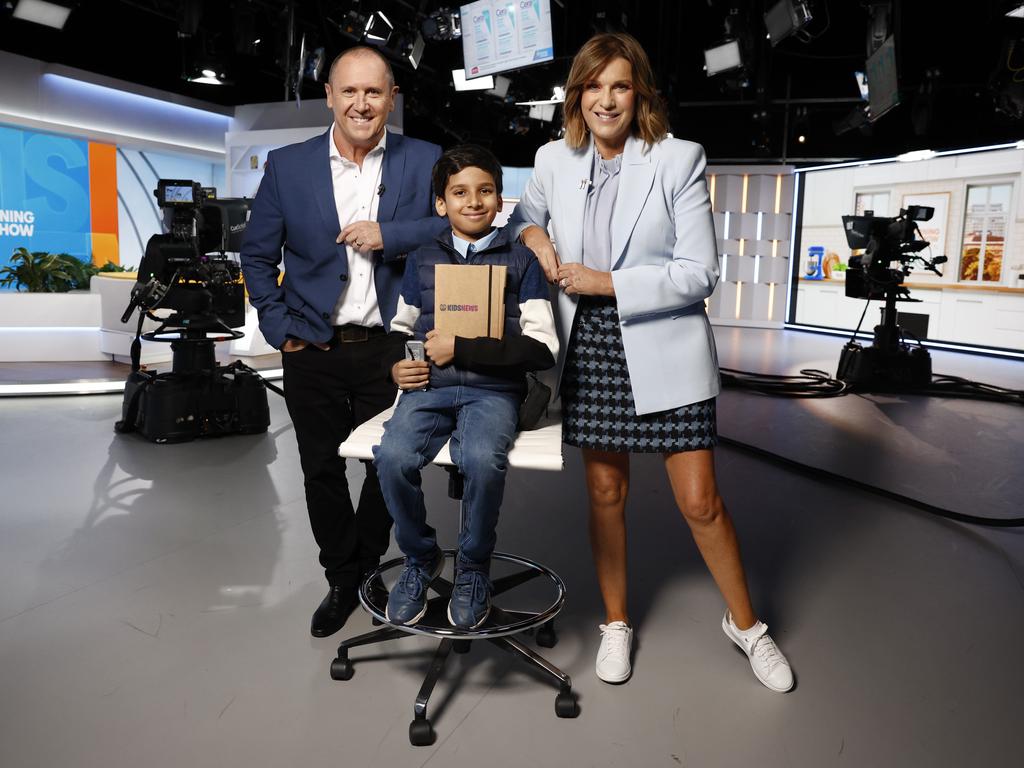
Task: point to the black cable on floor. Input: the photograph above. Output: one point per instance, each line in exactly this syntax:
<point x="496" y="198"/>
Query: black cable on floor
<point x="810" y="383"/>
<point x="955" y="386"/>
<point x="818" y="473"/>
<point x="814" y="383"/>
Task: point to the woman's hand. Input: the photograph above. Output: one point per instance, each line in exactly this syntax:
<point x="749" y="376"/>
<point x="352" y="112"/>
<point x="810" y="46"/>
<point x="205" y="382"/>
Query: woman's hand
<point x="577" y="279"/>
<point x="440" y="347"/>
<point x="411" y="374"/>
<point x="536" y="239"/>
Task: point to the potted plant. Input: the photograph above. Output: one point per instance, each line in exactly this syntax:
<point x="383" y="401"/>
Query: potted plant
<point x="42" y="272"/>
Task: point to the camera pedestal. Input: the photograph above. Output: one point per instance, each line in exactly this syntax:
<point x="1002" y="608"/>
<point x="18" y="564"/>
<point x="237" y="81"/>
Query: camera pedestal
<point x="889" y="364"/>
<point x="197" y="398"/>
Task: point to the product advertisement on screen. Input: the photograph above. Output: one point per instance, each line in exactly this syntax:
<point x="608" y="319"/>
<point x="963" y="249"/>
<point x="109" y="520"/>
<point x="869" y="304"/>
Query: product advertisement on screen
<point x="499" y="35"/>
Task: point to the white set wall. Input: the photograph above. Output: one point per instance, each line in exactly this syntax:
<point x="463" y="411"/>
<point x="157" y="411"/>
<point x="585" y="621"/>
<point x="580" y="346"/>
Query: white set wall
<point x="51" y="97"/>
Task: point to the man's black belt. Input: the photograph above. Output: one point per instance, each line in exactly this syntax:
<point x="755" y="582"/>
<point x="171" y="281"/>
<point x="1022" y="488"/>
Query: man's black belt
<point x="352" y="332"/>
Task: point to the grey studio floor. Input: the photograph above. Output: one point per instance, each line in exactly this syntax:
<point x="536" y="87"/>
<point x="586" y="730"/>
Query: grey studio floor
<point x="155" y="599"/>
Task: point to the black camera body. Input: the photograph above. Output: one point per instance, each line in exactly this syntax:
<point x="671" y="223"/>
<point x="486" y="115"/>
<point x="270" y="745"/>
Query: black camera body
<point x="884" y="240"/>
<point x="188" y="270"/>
<point x="889" y="363"/>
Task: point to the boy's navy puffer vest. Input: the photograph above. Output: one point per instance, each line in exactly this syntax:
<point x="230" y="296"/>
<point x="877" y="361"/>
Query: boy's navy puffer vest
<point x="515" y="257"/>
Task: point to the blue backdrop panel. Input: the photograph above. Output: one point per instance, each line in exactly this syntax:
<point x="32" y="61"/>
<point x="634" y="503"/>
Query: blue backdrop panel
<point x="44" y="193"/>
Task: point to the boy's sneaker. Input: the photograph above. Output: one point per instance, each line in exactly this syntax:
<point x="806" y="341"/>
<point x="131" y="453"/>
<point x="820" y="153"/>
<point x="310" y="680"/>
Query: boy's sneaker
<point x="471" y="599"/>
<point x="767" y="661"/>
<point x="613" y="664"/>
<point x="407" y="602"/>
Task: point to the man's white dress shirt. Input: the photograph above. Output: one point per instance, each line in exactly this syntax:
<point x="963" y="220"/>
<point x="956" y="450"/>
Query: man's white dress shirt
<point x="356" y="198"/>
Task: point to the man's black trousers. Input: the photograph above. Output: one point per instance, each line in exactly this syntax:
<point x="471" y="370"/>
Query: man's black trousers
<point x="328" y="394"/>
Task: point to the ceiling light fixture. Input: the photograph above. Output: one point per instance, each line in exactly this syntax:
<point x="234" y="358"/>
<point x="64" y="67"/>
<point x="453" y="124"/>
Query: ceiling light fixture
<point x="378" y="28"/>
<point x="785" y="18"/>
<point x="724" y="57"/>
<point x="42" y="12"/>
<point x="208" y="77"/>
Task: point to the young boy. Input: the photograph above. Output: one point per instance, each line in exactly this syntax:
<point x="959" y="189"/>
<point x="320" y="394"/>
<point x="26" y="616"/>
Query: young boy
<point x="467" y="389"/>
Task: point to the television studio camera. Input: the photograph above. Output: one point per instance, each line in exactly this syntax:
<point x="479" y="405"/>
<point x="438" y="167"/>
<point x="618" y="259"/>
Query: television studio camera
<point x="188" y="270"/>
<point x="889" y="363"/>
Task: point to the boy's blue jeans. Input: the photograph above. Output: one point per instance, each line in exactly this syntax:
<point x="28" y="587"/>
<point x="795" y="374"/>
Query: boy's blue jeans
<point x="482" y="426"/>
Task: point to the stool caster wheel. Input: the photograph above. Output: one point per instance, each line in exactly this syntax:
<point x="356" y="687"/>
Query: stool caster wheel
<point x="341" y="669"/>
<point x="421" y="733"/>
<point x="461" y="646"/>
<point x="566" y="706"/>
<point x="546" y="637"/>
<point x="376" y="622"/>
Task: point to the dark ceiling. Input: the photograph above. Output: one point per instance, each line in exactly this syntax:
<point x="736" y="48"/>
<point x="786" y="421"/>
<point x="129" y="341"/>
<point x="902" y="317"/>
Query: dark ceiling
<point x="958" y="67"/>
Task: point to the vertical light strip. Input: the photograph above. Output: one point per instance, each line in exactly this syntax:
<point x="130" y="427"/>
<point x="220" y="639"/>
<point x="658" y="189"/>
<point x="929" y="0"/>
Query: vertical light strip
<point x="757" y="266"/>
<point x="743" y="202"/>
<point x="771" y="300"/>
<point x="778" y="193"/>
<point x="760" y="219"/>
<point x="739" y="294"/>
<point x="775" y="248"/>
<point x="742" y="244"/>
<point x="711" y="192"/>
<point x="725" y="227"/>
<point x="790" y="285"/>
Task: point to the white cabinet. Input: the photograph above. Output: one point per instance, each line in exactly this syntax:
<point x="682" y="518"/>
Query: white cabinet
<point x="985" y="318"/>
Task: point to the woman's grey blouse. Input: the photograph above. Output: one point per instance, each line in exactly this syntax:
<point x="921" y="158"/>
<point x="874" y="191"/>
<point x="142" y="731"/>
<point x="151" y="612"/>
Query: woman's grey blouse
<point x="597" y="218"/>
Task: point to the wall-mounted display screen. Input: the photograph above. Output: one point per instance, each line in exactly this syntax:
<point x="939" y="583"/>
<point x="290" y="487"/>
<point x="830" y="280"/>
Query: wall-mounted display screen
<point x="499" y="35"/>
<point x="974" y="297"/>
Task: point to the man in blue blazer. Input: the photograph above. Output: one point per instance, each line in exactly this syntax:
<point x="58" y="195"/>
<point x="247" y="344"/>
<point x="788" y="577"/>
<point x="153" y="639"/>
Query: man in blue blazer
<point x="341" y="210"/>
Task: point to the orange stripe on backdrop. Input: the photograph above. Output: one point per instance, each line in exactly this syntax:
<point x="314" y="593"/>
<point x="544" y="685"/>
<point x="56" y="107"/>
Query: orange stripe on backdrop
<point x="103" y="202"/>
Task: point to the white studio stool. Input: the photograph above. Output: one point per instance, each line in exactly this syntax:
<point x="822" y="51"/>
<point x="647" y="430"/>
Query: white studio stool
<point x="516" y="579"/>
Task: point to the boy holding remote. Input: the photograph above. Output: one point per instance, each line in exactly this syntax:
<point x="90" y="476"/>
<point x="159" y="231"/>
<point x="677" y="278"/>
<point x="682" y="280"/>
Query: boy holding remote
<point x="466" y="389"/>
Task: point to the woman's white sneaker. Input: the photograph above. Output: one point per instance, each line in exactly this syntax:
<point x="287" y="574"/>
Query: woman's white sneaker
<point x="613" y="656"/>
<point x="767" y="661"/>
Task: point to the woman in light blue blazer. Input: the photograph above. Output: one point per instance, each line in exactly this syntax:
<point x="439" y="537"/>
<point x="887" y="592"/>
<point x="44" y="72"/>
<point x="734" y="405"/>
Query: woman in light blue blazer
<point x="629" y="212"/>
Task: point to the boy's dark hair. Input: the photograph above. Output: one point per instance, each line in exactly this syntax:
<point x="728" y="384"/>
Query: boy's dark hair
<point x="459" y="158"/>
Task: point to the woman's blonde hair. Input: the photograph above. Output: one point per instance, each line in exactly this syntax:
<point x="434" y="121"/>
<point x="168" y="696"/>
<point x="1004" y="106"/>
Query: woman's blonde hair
<point x="650" y="121"/>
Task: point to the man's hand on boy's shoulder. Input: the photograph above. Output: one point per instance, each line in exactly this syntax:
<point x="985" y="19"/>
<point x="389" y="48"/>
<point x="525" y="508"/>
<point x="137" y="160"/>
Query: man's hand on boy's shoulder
<point x="440" y="347"/>
<point x="411" y="374"/>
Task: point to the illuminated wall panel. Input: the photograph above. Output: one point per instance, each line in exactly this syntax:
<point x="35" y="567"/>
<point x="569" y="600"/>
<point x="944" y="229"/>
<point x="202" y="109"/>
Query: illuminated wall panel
<point x="752" y="208"/>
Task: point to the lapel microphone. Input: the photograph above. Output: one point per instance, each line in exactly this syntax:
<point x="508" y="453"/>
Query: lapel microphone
<point x="380" y="190"/>
<point x="584" y="183"/>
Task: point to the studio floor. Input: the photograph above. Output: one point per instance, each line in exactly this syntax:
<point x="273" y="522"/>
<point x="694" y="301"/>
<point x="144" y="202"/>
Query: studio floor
<point x="155" y="599"/>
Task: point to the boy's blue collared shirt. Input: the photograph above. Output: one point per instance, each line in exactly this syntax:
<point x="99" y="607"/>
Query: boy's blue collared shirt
<point x="462" y="246"/>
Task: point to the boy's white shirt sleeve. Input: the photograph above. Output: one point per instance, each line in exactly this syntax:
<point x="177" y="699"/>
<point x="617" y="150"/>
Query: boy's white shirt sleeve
<point x="537" y="320"/>
<point x="405" y="317"/>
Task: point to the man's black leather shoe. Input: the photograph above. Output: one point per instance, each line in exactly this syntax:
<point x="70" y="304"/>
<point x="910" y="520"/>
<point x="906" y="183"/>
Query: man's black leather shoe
<point x="334" y="611"/>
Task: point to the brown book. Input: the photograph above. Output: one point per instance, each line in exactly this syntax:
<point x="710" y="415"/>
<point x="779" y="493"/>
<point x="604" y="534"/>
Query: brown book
<point x="469" y="299"/>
